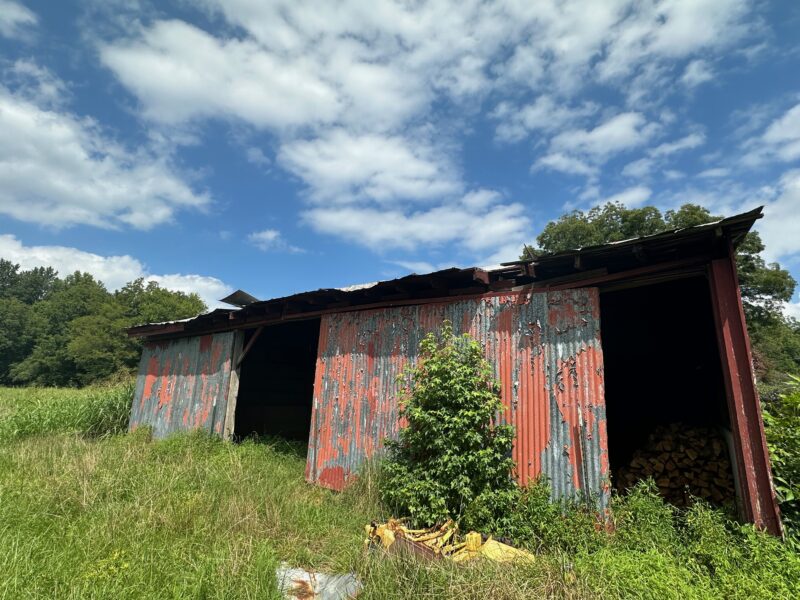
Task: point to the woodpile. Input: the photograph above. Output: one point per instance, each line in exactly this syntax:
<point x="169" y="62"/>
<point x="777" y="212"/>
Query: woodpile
<point x="684" y="462"/>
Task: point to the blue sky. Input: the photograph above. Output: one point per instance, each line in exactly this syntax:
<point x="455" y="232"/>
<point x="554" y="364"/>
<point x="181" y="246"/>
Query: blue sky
<point x="284" y="146"/>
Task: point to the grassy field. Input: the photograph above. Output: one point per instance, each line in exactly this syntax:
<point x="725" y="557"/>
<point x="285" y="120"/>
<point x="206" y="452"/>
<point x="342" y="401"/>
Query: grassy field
<point x="89" y="512"/>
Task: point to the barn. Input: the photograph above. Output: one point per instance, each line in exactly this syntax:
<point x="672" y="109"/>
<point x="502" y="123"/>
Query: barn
<point x="593" y="349"/>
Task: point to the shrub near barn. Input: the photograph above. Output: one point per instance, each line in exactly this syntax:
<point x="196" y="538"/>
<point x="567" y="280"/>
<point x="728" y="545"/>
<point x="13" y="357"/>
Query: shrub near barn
<point x="452" y="452"/>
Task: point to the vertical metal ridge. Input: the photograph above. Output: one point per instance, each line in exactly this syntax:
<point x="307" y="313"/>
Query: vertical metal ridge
<point x="544" y="348"/>
<point x="183" y="384"/>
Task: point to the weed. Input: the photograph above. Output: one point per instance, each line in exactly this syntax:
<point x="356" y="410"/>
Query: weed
<point x="92" y="411"/>
<point x="123" y="516"/>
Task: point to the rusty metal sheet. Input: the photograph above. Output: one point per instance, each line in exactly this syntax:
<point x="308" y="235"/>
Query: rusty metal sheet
<point x="183" y="384"/>
<point x="546" y="353"/>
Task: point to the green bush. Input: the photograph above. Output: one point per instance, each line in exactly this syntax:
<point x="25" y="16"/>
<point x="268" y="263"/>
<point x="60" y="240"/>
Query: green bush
<point x="92" y="411"/>
<point x="643" y="520"/>
<point x="451" y="452"/>
<point x="528" y="517"/>
<point x="782" y="420"/>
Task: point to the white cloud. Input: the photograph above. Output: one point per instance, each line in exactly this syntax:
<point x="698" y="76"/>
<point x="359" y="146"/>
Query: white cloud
<point x="210" y="289"/>
<point x="15" y="20"/>
<point x="354" y="92"/>
<point x="688" y="142"/>
<point x="632" y="197"/>
<point x="59" y="169"/>
<point x="714" y="173"/>
<point x="344" y="167"/>
<point x="780" y="140"/>
<point x="181" y="72"/>
<point x="792" y="309"/>
<point x="783" y="135"/>
<point x="545" y="114"/>
<point x="476" y="229"/>
<point x="36" y="84"/>
<point x="559" y="161"/>
<point x="415" y="266"/>
<point x="697" y="72"/>
<point x="617" y="134"/>
<point x="583" y="151"/>
<point x="257" y="157"/>
<point x="639" y="169"/>
<point x="271" y="239"/>
<point x="655" y="157"/>
<point x="781" y="222"/>
<point x="113" y="271"/>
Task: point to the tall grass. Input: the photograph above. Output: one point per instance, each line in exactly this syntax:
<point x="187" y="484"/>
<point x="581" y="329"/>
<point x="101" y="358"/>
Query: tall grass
<point x="91" y="411"/>
<point x="123" y="516"/>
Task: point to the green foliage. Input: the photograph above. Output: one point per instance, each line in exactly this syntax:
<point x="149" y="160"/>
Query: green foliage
<point x="529" y="517"/>
<point x="150" y="303"/>
<point x="26" y="286"/>
<point x="123" y="516"/>
<point x="611" y="222"/>
<point x="782" y="420"/>
<point x="190" y="517"/>
<point x="642" y="520"/>
<point x="16" y="334"/>
<point x="450" y="452"/>
<point x="91" y="412"/>
<point x="765" y="287"/>
<point x="71" y="331"/>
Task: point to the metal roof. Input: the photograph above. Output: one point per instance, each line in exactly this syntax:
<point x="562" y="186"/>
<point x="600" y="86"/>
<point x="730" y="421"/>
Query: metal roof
<point x="568" y="268"/>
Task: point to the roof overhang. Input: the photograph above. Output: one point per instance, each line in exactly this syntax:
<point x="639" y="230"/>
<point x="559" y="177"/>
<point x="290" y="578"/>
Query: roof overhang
<point x="671" y="250"/>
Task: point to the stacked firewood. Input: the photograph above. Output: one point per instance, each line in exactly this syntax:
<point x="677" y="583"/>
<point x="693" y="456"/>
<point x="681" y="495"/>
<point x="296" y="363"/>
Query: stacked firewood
<point x="684" y="462"/>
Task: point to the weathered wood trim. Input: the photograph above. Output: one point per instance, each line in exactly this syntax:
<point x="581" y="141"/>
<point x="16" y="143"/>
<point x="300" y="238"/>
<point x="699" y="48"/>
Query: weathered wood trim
<point x="757" y="494"/>
<point x="233" y="387"/>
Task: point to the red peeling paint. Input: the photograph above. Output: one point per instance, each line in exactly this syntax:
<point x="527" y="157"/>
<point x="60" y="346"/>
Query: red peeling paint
<point x="184" y="385"/>
<point x="333" y="478"/>
<point x="361" y="354"/>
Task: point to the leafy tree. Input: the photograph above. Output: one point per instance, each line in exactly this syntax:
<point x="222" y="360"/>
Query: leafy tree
<point x="150" y="303"/>
<point x="451" y="452"/>
<point x="98" y="345"/>
<point x="71" y="331"/>
<point x="26" y="286"/>
<point x="765" y="287"/>
<point x="611" y="222"/>
<point x="50" y="362"/>
<point x="688" y="215"/>
<point x="16" y="335"/>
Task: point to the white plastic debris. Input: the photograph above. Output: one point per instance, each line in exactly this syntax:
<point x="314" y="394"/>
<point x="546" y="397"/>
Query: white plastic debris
<point x="299" y="584"/>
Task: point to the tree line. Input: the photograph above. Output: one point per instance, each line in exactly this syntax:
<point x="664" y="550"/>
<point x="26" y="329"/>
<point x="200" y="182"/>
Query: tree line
<point x="765" y="286"/>
<point x="70" y="331"/>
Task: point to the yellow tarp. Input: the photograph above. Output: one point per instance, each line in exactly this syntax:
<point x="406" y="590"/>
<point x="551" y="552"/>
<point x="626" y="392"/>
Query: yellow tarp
<point x="443" y="542"/>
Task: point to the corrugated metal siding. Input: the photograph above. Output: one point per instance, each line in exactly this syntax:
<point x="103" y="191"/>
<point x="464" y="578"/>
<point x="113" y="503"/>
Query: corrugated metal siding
<point x="544" y="346"/>
<point x="183" y="384"/>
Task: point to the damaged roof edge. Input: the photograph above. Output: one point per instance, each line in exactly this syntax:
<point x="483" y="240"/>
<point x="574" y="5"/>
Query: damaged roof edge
<point x="696" y="242"/>
<point x="746" y="218"/>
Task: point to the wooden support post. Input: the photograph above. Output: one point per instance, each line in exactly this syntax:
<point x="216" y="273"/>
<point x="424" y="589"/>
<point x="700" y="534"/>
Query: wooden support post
<point x="757" y="495"/>
<point x="233" y="387"/>
<point x="249" y="345"/>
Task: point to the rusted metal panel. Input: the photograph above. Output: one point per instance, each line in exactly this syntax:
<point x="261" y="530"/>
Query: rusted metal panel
<point x="183" y="384"/>
<point x="756" y="490"/>
<point x="546" y="353"/>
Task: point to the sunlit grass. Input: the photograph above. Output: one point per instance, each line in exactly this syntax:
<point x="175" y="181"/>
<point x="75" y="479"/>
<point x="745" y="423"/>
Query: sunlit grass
<point x="89" y="513"/>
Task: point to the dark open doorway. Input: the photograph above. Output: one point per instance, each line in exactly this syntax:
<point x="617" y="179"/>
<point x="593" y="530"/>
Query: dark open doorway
<point x="276" y="381"/>
<point x="666" y="408"/>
